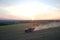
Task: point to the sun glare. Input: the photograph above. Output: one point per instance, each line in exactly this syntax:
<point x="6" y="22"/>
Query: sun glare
<point x="32" y="18"/>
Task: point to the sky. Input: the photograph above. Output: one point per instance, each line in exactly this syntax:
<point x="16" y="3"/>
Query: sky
<point x="30" y="9"/>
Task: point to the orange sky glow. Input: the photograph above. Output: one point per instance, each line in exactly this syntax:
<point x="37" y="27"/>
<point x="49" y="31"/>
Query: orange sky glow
<point x="34" y="10"/>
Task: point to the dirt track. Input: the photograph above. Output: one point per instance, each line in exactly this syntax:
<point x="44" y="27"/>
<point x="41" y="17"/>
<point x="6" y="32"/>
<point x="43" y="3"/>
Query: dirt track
<point x="16" y="32"/>
<point x="48" y="34"/>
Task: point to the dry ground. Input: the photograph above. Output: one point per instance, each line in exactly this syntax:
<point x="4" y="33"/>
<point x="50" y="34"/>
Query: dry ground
<point x="16" y="32"/>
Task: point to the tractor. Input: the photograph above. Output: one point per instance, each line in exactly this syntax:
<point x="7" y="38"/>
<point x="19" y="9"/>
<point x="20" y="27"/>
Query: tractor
<point x="28" y="30"/>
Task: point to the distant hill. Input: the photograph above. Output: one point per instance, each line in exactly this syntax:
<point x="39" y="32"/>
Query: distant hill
<point x="30" y="20"/>
<point x="7" y="22"/>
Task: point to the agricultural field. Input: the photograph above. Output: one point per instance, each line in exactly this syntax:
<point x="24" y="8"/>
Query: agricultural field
<point x="16" y="32"/>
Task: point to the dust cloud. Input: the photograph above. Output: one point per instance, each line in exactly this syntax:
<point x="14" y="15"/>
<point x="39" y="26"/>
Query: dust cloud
<point x="46" y="26"/>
